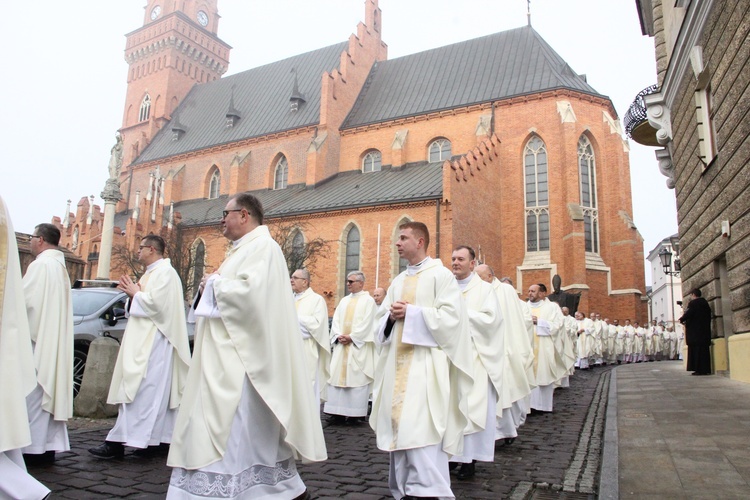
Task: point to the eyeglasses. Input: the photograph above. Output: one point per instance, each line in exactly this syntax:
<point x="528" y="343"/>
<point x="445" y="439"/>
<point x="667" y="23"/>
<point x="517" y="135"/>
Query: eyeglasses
<point x="349" y="282"/>
<point x="298" y="278"/>
<point x="224" y="213"/>
<point x="35" y="236"/>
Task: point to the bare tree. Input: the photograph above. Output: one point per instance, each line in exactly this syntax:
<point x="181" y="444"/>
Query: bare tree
<point x="299" y="251"/>
<point x="126" y="260"/>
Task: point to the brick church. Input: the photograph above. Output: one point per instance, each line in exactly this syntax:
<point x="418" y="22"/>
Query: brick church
<point x="494" y="142"/>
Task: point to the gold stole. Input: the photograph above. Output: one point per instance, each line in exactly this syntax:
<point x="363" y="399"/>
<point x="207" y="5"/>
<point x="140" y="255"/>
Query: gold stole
<point x="347" y="330"/>
<point x="3" y="253"/>
<point x="535" y="312"/>
<point x="404" y="355"/>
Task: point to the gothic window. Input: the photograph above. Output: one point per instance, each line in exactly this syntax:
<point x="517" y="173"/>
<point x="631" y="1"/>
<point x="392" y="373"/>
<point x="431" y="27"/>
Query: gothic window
<point x="352" y="253"/>
<point x="587" y="178"/>
<point x="298" y="250"/>
<point x="198" y="265"/>
<point x="214" y="185"/>
<point x="145" y="108"/>
<point x="537" y="195"/>
<point x="440" y="150"/>
<point x="281" y="174"/>
<point x="371" y="162"/>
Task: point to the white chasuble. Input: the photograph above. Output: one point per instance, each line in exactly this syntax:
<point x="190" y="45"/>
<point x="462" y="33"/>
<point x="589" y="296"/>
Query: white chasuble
<point x="485" y="320"/>
<point x="424" y="369"/>
<point x="17" y="376"/>
<point x="312" y="313"/>
<point x="256" y="337"/>
<point x="547" y="346"/>
<point x="160" y="308"/>
<point x="352" y="364"/>
<point x="49" y="308"/>
<point x="518" y="367"/>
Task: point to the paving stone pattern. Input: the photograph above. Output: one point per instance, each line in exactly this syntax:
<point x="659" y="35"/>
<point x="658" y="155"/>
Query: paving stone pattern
<point x="553" y="452"/>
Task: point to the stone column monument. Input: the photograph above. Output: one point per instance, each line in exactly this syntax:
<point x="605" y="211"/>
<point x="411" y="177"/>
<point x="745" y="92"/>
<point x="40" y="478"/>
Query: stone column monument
<point x="111" y="195"/>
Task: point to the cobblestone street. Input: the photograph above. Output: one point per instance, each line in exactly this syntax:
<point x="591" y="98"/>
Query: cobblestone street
<point x="555" y="456"/>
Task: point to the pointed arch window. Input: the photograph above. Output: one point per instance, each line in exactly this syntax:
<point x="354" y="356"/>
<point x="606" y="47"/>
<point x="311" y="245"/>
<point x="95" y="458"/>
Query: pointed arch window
<point x="145" y="111"/>
<point x="298" y="250"/>
<point x="214" y="185"/>
<point x="587" y="181"/>
<point x="440" y="150"/>
<point x="281" y="174"/>
<point x="352" y="253"/>
<point x="371" y="162"/>
<point x="537" y="195"/>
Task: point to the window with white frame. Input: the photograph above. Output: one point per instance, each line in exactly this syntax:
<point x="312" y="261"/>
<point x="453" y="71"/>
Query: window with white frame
<point x="214" y="185"/>
<point x="587" y="182"/>
<point x="145" y="111"/>
<point x="371" y="162"/>
<point x="537" y="195"/>
<point x="440" y="150"/>
<point x="281" y="174"/>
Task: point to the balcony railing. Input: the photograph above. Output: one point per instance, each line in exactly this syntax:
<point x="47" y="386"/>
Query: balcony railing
<point x="636" y="119"/>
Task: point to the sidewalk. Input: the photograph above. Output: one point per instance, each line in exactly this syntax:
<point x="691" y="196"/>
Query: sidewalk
<point x="676" y="435"/>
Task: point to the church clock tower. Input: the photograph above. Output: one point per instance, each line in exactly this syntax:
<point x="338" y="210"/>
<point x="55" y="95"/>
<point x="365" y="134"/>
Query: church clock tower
<point x="177" y="47"/>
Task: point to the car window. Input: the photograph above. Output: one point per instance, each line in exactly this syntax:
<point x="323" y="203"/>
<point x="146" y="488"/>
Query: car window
<point x="87" y="302"/>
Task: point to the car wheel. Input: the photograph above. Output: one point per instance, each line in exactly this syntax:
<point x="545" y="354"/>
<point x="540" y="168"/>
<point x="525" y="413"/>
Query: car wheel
<point x="79" y="365"/>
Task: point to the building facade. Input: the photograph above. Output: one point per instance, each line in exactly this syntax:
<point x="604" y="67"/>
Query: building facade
<point x="493" y="142"/>
<point x="666" y="289"/>
<point x="697" y="114"/>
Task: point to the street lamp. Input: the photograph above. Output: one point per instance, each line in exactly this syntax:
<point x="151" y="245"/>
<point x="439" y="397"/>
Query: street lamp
<point x="665" y="256"/>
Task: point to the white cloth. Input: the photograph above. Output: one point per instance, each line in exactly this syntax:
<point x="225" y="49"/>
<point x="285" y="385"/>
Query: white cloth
<point x="257" y="337"/>
<point x="542" y="397"/>
<point x="264" y="470"/>
<point x="15" y="482"/>
<point x="347" y="401"/>
<point x="17" y="375"/>
<point x="47" y="434"/>
<point x="148" y="420"/>
<point x="420" y="472"/>
<point x="312" y="313"/>
<point x="480" y="445"/>
<point x="49" y="308"/>
<point x="505" y="425"/>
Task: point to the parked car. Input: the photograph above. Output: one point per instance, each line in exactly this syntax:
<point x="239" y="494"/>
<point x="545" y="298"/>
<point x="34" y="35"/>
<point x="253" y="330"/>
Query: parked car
<point x="98" y="311"/>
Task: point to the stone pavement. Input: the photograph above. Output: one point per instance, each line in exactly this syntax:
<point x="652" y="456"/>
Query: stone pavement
<point x="677" y="435"/>
<point x="555" y="456"/>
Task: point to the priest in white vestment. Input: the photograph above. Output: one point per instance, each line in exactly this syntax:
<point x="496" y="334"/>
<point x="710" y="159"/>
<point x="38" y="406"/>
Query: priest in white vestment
<point x="585" y="344"/>
<point x="485" y="321"/>
<point x="611" y="336"/>
<point x="153" y="360"/>
<point x="49" y="307"/>
<point x="352" y="362"/>
<point x="518" y="365"/>
<point x="17" y="374"/>
<point x="629" y="344"/>
<point x="424" y="372"/>
<point x="569" y="346"/>
<point x="312" y="313"/>
<point x="597" y="347"/>
<point x="548" y="330"/>
<point x="639" y="343"/>
<point x="245" y="415"/>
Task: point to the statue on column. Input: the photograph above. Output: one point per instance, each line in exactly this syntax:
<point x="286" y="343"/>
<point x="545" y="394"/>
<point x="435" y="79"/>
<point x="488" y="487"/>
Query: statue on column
<point x="112" y="186"/>
<point x="564" y="299"/>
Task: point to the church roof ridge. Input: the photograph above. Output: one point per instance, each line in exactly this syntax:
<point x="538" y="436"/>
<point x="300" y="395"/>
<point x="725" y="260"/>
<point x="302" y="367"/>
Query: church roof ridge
<point x="497" y="66"/>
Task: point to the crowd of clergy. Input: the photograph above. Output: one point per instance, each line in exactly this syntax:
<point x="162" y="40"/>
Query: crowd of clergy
<point x="447" y="364"/>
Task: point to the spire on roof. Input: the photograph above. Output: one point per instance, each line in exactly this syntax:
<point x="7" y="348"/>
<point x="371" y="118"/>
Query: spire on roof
<point x="528" y="12"/>
<point x="233" y="116"/>
<point x="297" y="98"/>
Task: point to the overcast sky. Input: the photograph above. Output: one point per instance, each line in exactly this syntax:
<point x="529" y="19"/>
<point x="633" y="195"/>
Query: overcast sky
<point x="65" y="77"/>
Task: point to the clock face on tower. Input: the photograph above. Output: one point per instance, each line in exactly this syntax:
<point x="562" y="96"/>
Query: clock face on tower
<point x="155" y="12"/>
<point x="202" y="18"/>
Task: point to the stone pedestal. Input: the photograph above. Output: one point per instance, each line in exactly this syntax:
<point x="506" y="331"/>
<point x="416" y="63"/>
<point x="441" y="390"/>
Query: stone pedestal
<point x="91" y="401"/>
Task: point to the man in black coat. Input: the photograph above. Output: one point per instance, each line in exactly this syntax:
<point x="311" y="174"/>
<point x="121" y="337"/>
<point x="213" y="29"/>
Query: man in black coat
<point x="697" y="321"/>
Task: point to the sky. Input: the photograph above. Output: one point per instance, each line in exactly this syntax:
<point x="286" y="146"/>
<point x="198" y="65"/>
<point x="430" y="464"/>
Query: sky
<point x="65" y="78"/>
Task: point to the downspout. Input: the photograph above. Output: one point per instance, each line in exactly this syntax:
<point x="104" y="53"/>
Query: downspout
<point x="437" y="229"/>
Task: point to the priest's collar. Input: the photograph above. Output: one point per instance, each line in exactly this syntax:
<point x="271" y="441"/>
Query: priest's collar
<point x="153" y="264"/>
<point x="536" y="304"/>
<point x="462" y="283"/>
<point x="412" y="270"/>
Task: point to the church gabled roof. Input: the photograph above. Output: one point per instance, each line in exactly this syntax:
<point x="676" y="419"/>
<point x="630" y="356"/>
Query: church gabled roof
<point x="411" y="183"/>
<point x="261" y="96"/>
<point x="503" y="65"/>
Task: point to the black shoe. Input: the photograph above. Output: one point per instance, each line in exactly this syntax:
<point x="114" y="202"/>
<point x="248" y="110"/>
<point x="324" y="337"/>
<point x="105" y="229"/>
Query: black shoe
<point x="466" y="471"/>
<point x="46" y="458"/>
<point x="152" y="451"/>
<point x="108" y="449"/>
<point x="336" y="419"/>
<point x="509" y="441"/>
<point x="452" y="466"/>
<point x="304" y="496"/>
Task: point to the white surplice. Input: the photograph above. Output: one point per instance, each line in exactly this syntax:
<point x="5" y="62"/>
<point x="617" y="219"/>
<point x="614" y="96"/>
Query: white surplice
<point x="549" y="368"/>
<point x="312" y="313"/>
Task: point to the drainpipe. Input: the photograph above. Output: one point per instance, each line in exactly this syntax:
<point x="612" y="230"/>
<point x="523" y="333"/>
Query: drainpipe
<point x="437" y="229"/>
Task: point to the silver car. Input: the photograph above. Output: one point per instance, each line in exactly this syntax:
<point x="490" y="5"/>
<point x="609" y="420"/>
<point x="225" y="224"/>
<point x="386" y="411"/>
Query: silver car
<point x="98" y="311"/>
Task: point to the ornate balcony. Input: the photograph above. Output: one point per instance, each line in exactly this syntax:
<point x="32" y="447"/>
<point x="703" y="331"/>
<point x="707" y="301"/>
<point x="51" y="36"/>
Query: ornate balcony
<point x="636" y="122"/>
